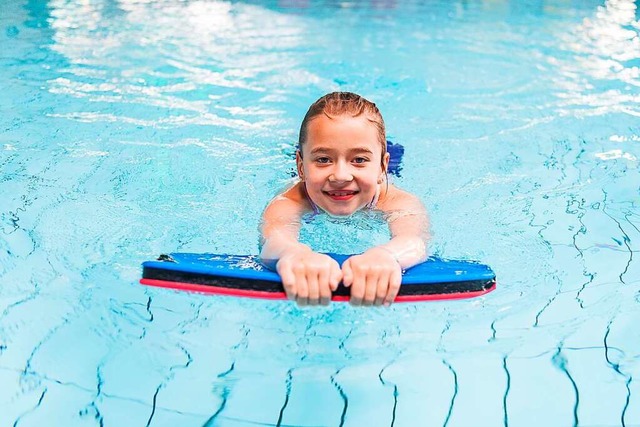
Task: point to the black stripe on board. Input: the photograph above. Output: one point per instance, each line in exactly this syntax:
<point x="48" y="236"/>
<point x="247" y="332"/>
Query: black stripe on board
<point x="270" y="286"/>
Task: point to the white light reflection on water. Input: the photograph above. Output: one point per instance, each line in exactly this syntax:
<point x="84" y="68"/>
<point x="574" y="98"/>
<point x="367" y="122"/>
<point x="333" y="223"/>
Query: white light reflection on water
<point x="602" y="72"/>
<point x="191" y="50"/>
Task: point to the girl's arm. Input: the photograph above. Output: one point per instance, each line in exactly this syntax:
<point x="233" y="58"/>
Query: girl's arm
<point x="280" y="228"/>
<point x="409" y="226"/>
<point x="308" y="277"/>
<point x="375" y="276"/>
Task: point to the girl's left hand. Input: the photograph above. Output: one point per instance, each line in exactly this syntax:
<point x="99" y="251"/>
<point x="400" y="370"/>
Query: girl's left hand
<point x="374" y="277"/>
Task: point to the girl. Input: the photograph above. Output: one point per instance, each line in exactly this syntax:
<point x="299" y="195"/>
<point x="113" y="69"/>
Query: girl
<point x="342" y="164"/>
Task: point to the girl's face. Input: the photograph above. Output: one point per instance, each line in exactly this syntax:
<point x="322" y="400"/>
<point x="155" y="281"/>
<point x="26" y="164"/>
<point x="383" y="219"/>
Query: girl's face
<point x="342" y="163"/>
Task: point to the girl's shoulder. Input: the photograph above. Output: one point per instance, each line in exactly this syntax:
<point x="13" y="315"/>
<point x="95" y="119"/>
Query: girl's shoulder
<point x="293" y="198"/>
<point x="394" y="198"/>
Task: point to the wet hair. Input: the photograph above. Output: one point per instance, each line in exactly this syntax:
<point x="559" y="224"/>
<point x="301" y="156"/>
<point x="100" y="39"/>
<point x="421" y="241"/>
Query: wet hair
<point x="336" y="104"/>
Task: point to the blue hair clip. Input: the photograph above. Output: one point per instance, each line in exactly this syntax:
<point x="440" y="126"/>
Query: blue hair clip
<point x="396" y="151"/>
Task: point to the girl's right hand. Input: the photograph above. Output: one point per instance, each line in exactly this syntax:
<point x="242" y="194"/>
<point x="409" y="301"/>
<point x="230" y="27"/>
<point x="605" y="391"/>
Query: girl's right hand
<point x="308" y="277"/>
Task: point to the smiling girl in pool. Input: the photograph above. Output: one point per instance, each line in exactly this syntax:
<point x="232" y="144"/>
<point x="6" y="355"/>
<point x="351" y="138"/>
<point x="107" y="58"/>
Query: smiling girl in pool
<point x="342" y="164"/>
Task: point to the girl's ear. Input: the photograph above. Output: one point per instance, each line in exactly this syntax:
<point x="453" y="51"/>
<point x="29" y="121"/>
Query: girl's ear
<point x="384" y="166"/>
<point x="299" y="165"/>
<point x="385" y="162"/>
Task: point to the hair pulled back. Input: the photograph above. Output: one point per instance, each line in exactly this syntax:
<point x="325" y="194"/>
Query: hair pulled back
<point x="336" y="104"/>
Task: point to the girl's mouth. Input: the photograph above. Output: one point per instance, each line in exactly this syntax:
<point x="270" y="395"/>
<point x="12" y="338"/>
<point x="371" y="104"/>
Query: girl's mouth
<point x="340" y="195"/>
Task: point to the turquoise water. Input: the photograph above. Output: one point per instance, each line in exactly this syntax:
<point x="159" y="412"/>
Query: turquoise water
<point x="132" y="128"/>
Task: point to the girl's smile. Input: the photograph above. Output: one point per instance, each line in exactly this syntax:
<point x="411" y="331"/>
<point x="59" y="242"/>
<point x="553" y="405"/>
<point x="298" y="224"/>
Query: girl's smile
<point x="341" y="195"/>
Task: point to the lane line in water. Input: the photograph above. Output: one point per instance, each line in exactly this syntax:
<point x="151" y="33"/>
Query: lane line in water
<point x="506" y="391"/>
<point x="549" y="302"/>
<point x="153" y="405"/>
<point x="17" y="421"/>
<point x="395" y="392"/>
<point x="441" y="348"/>
<point x="616" y="368"/>
<point x="224" y="395"/>
<point x="560" y="362"/>
<point x="343" y="395"/>
<point x="99" y="382"/>
<point x="625" y="239"/>
<point x="455" y="392"/>
<point x="288" y="383"/>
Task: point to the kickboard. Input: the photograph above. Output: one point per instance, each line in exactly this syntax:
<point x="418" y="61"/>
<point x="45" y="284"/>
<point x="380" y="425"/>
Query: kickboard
<point x="245" y="276"/>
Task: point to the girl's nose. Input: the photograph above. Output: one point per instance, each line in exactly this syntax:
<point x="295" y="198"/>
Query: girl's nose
<point x="341" y="173"/>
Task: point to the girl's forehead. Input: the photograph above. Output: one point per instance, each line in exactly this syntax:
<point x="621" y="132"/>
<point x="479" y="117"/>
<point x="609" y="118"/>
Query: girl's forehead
<point x="342" y="119"/>
<point x="342" y="146"/>
<point x="345" y="129"/>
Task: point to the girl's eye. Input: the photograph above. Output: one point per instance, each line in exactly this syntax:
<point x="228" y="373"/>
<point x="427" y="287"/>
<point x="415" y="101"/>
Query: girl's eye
<point x="323" y="160"/>
<point x="360" y="160"/>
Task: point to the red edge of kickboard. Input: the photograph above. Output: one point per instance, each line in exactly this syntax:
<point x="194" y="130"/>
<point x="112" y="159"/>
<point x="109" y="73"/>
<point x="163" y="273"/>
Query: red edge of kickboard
<point x="215" y="290"/>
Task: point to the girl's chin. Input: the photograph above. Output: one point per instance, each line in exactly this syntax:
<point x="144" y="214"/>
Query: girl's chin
<point x="339" y="213"/>
<point x="341" y="208"/>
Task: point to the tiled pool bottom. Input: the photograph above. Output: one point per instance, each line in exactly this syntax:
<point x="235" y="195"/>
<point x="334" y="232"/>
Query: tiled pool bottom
<point x="215" y="367"/>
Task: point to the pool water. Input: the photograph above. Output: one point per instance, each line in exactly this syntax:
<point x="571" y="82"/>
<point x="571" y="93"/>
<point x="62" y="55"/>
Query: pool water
<point x="131" y="128"/>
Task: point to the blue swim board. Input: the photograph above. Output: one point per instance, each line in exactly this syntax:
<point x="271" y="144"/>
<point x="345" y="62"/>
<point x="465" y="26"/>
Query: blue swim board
<point x="245" y="276"/>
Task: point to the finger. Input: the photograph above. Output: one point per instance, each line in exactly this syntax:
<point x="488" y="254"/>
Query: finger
<point x="335" y="276"/>
<point x="372" y="278"/>
<point x="324" y="287"/>
<point x="288" y="279"/>
<point x="347" y="273"/>
<point x="301" y="288"/>
<point x="313" y="291"/>
<point x="382" y="289"/>
<point x="395" y="281"/>
<point x="357" y="289"/>
<point x="371" y="286"/>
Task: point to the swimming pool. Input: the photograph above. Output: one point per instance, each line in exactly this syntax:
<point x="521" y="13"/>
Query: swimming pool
<point x="132" y="128"/>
